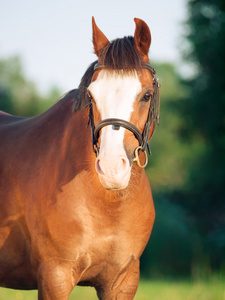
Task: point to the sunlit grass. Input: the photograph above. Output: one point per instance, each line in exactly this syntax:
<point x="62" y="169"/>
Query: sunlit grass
<point x="213" y="289"/>
<point x="210" y="289"/>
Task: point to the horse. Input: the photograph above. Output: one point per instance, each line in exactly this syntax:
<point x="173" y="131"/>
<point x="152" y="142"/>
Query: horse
<point x="76" y="204"/>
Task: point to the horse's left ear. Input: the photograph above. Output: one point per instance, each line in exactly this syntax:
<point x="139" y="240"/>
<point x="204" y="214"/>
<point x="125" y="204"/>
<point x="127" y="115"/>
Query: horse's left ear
<point x="99" y="39"/>
<point x="142" y="36"/>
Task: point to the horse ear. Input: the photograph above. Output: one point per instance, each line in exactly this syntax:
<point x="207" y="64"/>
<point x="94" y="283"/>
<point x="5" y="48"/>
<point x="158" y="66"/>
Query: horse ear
<point x="99" y="39"/>
<point x="142" y="36"/>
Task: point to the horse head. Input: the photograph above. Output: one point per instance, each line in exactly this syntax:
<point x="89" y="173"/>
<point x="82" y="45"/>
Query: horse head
<point x="121" y="102"/>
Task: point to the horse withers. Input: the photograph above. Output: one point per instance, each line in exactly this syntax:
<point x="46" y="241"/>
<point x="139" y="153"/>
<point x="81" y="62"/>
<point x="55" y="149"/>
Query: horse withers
<point x="75" y="203"/>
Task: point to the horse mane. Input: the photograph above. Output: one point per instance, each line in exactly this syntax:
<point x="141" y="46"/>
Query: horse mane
<point x="120" y="55"/>
<point x="81" y="96"/>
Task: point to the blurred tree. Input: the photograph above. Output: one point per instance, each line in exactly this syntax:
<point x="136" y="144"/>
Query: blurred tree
<point x="6" y="103"/>
<point x="166" y="168"/>
<point x="170" y="249"/>
<point x="18" y="95"/>
<point x="189" y="232"/>
<point x="203" y="128"/>
<point x="173" y="239"/>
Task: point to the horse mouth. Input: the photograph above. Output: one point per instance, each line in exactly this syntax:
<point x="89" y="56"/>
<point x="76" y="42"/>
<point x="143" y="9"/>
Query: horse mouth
<point x="113" y="185"/>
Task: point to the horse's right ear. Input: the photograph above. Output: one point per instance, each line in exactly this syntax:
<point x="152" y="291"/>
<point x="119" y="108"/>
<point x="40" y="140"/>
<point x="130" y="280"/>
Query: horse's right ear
<point x="98" y="38"/>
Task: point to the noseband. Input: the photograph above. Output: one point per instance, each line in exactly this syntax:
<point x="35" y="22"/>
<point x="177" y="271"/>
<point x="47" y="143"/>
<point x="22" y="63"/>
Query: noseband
<point x="143" y="138"/>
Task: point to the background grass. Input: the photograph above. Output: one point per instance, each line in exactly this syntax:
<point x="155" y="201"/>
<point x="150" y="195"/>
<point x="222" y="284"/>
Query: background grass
<point x="207" y="289"/>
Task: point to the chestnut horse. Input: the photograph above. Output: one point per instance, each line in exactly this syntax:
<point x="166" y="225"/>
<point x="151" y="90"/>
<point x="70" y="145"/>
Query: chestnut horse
<point x="70" y="215"/>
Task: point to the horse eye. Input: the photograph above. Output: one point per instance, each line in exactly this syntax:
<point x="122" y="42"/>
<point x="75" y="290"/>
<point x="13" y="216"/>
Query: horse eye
<point x="146" y="97"/>
<point x="89" y="96"/>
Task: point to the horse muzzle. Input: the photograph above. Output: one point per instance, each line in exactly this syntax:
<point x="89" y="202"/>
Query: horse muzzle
<point x="116" y="124"/>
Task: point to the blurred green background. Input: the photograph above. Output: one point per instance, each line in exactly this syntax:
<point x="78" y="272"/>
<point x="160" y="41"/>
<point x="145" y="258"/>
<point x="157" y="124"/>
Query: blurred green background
<point x="187" y="168"/>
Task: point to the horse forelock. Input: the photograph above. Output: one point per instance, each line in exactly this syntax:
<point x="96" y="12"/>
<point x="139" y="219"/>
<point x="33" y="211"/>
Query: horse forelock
<point x="120" y="55"/>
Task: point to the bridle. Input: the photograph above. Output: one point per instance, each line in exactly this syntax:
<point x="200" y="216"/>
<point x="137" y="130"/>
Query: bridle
<point x="143" y="138"/>
<point x="150" y="125"/>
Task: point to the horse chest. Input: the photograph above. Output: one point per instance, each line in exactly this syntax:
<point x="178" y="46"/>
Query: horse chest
<point x="93" y="222"/>
<point x="114" y="243"/>
<point x="106" y="256"/>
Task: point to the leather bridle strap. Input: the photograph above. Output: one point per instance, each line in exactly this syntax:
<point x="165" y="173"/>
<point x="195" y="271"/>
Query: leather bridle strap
<point x="116" y="124"/>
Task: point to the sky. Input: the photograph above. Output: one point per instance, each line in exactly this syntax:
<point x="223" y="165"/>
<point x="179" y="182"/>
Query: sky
<point x="54" y="37"/>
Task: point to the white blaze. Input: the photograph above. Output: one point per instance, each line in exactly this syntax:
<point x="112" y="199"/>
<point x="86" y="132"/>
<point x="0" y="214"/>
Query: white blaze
<point x="114" y="94"/>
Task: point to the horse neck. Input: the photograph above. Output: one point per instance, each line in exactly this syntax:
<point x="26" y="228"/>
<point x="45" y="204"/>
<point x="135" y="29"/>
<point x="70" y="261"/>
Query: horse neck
<point x="67" y="145"/>
<point x="64" y="140"/>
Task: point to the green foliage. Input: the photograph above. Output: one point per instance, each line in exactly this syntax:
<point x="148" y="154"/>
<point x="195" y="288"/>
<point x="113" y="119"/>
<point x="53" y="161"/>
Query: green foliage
<point x="188" y="171"/>
<point x="171" y="246"/>
<point x="203" y="125"/>
<point x="166" y="168"/>
<point x="18" y="95"/>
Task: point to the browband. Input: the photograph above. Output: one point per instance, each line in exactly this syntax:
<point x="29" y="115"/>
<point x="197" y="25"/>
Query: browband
<point x="144" y="65"/>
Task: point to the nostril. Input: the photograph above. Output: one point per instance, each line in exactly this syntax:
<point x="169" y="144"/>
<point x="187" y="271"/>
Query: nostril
<point x="112" y="167"/>
<point x="124" y="163"/>
<point x="98" y="167"/>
